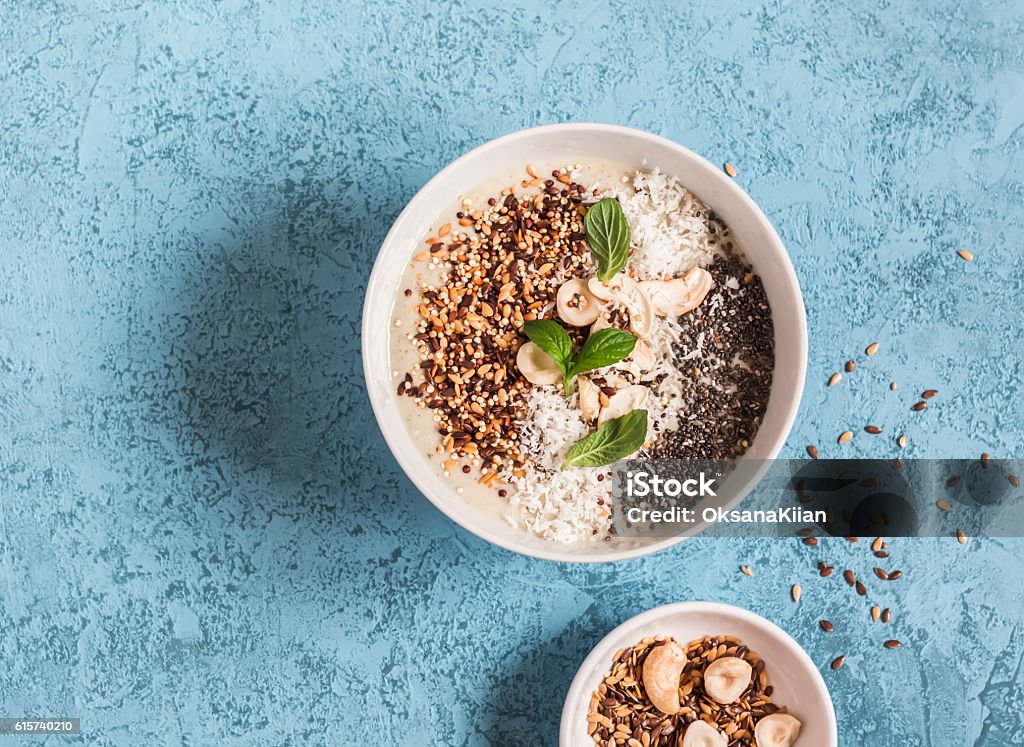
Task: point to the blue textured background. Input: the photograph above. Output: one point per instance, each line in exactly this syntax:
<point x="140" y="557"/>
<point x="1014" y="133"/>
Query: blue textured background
<point x="203" y="539"/>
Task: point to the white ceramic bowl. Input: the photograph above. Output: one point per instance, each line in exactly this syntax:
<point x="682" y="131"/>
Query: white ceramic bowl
<point x="572" y="143"/>
<point x="797" y="683"/>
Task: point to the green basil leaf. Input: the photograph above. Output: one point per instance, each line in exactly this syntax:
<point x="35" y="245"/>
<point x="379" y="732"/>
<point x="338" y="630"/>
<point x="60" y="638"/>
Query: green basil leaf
<point x="603" y="348"/>
<point x="550" y="337"/>
<point x="608" y="236"/>
<point x="615" y="439"/>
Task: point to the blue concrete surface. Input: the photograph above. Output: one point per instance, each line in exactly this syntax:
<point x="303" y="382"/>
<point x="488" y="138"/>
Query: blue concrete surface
<point x="203" y="539"/>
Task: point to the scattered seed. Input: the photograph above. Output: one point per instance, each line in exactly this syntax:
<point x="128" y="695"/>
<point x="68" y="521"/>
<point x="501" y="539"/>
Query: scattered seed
<point x="729" y="169"/>
<point x="1014" y="481"/>
<point x="796" y="592"/>
<point x="877" y="544"/>
<point x="872" y="429"/>
<point x="850" y="365"/>
<point x="747" y="570"/>
<point x="531" y="170"/>
<point x="929" y="393"/>
<point x="960" y="536"/>
<point x="881" y="554"/>
<point x="826" y="626"/>
<point x="845" y="436"/>
<point x="893" y="575"/>
<point x="850" y="578"/>
<point x="952" y="481"/>
<point x="892" y="386"/>
<point x="943" y="505"/>
<point x="887" y="615"/>
<point x="812" y="451"/>
<point x="880" y="572"/>
<point x="919" y="406"/>
<point x="861" y="588"/>
<point x="984" y="459"/>
<point x="872" y="348"/>
<point x="902" y="441"/>
<point x="835" y="378"/>
<point x="892" y="643"/>
<point x="875" y="613"/>
<point x="825" y="570"/>
<point x="838" y="662"/>
<point x="811" y="541"/>
<point x="965" y="255"/>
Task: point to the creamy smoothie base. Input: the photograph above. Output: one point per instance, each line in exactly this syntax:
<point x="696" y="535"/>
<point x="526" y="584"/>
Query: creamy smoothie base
<point x="495" y="414"/>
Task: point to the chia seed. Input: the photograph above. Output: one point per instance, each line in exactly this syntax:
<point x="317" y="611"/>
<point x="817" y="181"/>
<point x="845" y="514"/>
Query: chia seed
<point x="728" y="397"/>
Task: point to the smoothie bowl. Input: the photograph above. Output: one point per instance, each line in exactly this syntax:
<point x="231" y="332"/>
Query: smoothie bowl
<point x="566" y="297"/>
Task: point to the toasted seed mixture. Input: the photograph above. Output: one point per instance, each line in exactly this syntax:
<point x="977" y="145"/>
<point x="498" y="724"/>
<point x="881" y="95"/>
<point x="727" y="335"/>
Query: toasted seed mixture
<point x="505" y="273"/>
<point x="620" y="709"/>
<point x="728" y="346"/>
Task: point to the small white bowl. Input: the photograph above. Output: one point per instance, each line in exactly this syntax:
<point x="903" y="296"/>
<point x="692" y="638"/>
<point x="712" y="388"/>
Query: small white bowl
<point x="797" y="683"/>
<point x="572" y="143"/>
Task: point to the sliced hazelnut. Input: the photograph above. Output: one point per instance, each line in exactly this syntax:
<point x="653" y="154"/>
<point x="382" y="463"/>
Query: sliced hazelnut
<point x="702" y="734"/>
<point x="537" y="366"/>
<point x="661" y="671"/>
<point x="625" y="400"/>
<point x="679" y="295"/>
<point x="576" y="304"/>
<point x="777" y="730"/>
<point x="590" y="398"/>
<point x="725" y="679"/>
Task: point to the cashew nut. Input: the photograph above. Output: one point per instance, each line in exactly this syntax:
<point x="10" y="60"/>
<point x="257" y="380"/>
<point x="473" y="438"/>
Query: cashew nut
<point x="590" y="398"/>
<point x="702" y="734"/>
<point x="642" y="356"/>
<point x="576" y="304"/>
<point x="537" y="366"/>
<point x="725" y="679"/>
<point x="623" y="290"/>
<point x="777" y="730"/>
<point x="661" y="671"/>
<point x="679" y="295"/>
<point x="627" y="399"/>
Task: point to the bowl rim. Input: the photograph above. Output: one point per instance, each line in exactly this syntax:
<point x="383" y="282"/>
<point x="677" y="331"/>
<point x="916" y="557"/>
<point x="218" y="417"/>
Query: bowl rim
<point x="392" y="439"/>
<point x="604" y="648"/>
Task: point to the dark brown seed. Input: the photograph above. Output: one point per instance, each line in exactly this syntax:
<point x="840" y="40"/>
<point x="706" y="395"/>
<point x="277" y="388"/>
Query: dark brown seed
<point x="838" y="662"/>
<point x="826" y="626"/>
<point x="951" y="482"/>
<point x="1014" y="481"/>
<point x="984" y="460"/>
<point x="886" y="615"/>
<point x="881" y="573"/>
<point x="862" y="589"/>
<point x="919" y="406"/>
<point x="895" y="575"/>
<point x="853" y="539"/>
<point x="892" y="643"/>
<point x="850" y="578"/>
<point x="881" y="554"/>
<point x="929" y="393"/>
<point x="873" y="429"/>
<point x="812" y="451"/>
<point x="850" y="365"/>
<point x="812" y="541"/>
<point x="826" y="571"/>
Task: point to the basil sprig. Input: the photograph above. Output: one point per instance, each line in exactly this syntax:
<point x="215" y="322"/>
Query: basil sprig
<point x="608" y="236"/>
<point x="603" y="348"/>
<point x="615" y="439"/>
